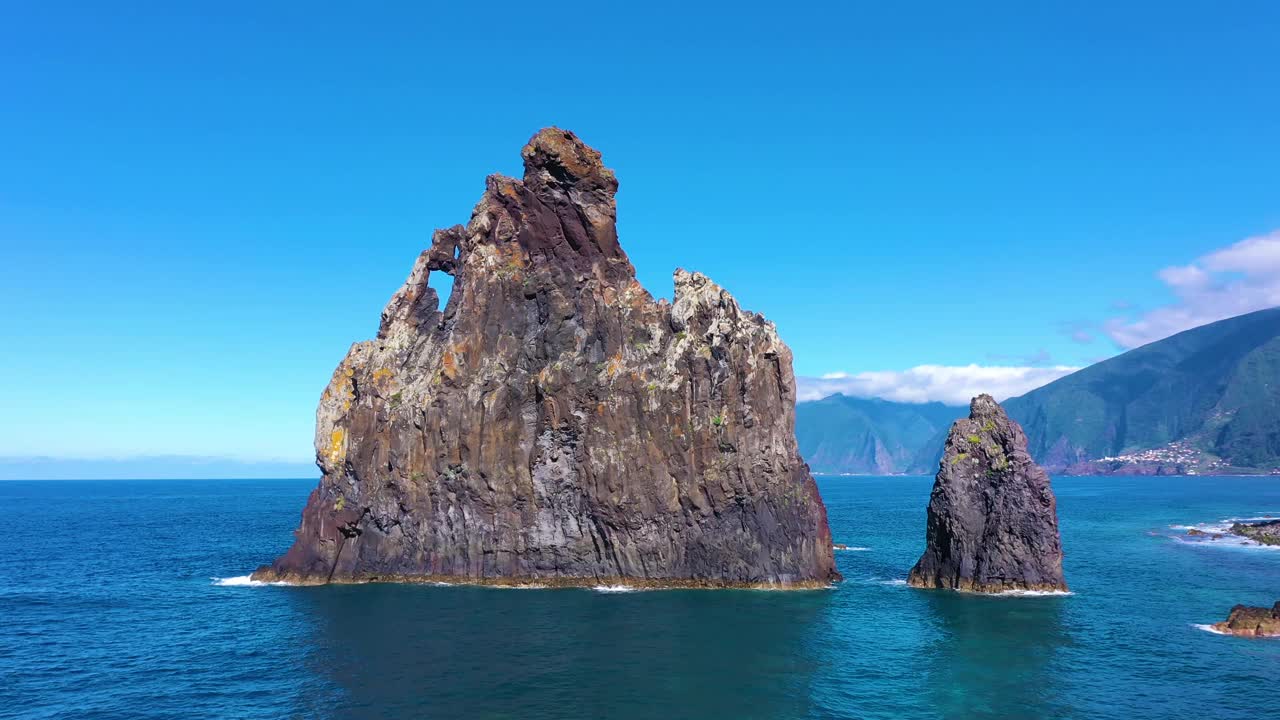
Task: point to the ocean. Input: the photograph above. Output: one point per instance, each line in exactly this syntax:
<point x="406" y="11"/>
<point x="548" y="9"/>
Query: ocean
<point x="128" y="599"/>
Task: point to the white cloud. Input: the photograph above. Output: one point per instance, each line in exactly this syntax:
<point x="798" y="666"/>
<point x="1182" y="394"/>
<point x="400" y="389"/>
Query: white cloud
<point x="954" y="385"/>
<point x="1235" y="280"/>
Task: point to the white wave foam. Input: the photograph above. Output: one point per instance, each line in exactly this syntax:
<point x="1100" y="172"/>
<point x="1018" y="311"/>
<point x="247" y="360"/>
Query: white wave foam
<point x="243" y="581"/>
<point x="850" y="549"/>
<point x="877" y="580"/>
<point x="1208" y="628"/>
<point x="1233" y="542"/>
<point x="1034" y="593"/>
<point x="1213" y="527"/>
<point x="614" y="589"/>
<point x="1218" y="534"/>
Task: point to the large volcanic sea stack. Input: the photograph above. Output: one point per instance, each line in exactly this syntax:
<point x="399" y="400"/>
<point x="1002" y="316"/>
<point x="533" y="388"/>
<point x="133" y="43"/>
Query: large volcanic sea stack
<point x="554" y="424"/>
<point x="993" y="523"/>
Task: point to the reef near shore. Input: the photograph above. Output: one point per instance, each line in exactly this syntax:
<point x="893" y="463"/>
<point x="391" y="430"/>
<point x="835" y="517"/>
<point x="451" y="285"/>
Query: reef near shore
<point x="1247" y="621"/>
<point x="1266" y="532"/>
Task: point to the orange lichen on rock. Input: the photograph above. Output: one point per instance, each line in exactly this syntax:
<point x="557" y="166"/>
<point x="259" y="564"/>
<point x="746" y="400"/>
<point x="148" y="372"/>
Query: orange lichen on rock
<point x="449" y="364"/>
<point x="615" y="365"/>
<point x="337" y="446"/>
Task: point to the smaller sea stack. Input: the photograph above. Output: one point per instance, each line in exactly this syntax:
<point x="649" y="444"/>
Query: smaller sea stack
<point x="993" y="521"/>
<point x="1251" y="621"/>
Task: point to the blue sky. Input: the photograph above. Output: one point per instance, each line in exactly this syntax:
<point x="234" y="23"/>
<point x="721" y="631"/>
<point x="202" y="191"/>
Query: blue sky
<point x="201" y="209"/>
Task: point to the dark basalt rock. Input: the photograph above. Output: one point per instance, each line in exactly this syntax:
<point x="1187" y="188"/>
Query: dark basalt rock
<point x="992" y="522"/>
<point x="1266" y="532"/>
<point x="554" y="424"/>
<point x="1251" y="621"/>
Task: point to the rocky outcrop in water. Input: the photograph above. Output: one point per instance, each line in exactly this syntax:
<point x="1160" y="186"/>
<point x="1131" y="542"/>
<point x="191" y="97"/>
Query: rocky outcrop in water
<point x="992" y="520"/>
<point x="1251" y="621"/>
<point x="1266" y="532"/>
<point x="554" y="424"/>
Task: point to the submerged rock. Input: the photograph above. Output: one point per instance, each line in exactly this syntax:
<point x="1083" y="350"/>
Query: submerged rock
<point x="1251" y="621"/>
<point x="554" y="423"/>
<point x="992" y="522"/>
<point x="1266" y="532"/>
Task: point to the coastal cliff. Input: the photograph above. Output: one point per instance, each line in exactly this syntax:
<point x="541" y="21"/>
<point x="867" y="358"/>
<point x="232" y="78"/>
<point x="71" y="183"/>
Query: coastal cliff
<point x="992" y="520"/>
<point x="554" y="424"/>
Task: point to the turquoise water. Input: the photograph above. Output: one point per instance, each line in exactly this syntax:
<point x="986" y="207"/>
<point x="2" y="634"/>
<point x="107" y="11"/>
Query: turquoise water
<point x="109" y="609"/>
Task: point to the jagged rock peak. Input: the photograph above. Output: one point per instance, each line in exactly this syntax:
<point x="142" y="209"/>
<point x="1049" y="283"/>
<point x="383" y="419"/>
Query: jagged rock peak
<point x="984" y="407"/>
<point x="554" y="424"/>
<point x="557" y="158"/>
<point x="992" y="519"/>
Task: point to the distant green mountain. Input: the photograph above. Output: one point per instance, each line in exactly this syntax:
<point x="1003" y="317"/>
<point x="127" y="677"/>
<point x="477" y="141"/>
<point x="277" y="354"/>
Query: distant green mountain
<point x="1203" y="400"/>
<point x="841" y="434"/>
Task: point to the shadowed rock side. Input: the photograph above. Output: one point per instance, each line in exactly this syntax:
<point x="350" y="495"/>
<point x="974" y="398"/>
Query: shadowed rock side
<point x="993" y="523"/>
<point x="555" y="424"/>
<point x="1251" y="621"/>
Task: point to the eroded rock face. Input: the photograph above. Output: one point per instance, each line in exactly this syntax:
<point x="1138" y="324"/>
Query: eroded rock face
<point x="993" y="523"/>
<point x="1252" y="621"/>
<point x="554" y="423"/>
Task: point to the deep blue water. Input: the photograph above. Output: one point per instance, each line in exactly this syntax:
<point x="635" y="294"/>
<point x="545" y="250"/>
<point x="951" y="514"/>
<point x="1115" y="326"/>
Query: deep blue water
<point x="108" y="609"/>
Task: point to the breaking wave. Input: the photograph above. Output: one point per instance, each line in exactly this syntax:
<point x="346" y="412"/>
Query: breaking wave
<point x="1208" y="628"/>
<point x="242" y="581"/>
<point x="614" y="589"/>
<point x="877" y="580"/>
<point x="850" y="548"/>
<point x="1218" y="534"/>
<point x="1034" y="593"/>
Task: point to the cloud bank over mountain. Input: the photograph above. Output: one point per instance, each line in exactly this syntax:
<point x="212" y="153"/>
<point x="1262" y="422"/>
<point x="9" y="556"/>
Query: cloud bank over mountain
<point x="953" y="385"/>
